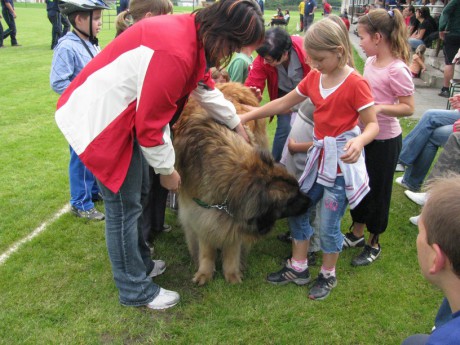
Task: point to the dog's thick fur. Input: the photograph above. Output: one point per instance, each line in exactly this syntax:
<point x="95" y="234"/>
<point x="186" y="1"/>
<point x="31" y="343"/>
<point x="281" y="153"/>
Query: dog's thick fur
<point x="218" y="167"/>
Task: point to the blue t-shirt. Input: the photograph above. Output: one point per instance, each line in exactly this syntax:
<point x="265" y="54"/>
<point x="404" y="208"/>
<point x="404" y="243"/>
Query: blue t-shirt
<point x="447" y="334"/>
<point x="309" y="6"/>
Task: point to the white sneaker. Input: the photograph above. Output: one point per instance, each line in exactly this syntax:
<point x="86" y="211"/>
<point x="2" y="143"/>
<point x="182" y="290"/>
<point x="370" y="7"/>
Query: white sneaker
<point x="400" y="168"/>
<point x="418" y="198"/>
<point x="165" y="299"/>
<point x="399" y="180"/>
<point x="414" y="220"/>
<point x="158" y="268"/>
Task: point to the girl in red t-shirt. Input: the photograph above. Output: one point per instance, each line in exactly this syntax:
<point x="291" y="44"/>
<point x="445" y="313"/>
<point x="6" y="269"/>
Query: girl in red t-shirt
<point x="340" y="96"/>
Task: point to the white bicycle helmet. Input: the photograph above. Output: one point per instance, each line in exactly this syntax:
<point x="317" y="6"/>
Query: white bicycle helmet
<point x="70" y="6"/>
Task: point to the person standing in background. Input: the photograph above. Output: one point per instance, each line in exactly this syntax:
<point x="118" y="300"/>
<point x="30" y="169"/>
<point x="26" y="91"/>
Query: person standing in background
<point x="54" y="16"/>
<point x="302" y="12"/>
<point x="327" y="8"/>
<point x="309" y="14"/>
<point x="261" y="5"/>
<point x="9" y="15"/>
<point x="121" y="5"/>
<point x="449" y="32"/>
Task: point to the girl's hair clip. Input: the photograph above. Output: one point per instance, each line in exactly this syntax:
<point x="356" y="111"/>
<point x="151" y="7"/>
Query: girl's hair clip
<point x="391" y="13"/>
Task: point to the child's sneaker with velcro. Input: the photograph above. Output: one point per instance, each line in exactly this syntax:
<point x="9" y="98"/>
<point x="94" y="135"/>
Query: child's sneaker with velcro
<point x="287" y="274"/>
<point x="352" y="241"/>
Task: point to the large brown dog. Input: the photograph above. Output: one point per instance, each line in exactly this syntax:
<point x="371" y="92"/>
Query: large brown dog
<point x="232" y="192"/>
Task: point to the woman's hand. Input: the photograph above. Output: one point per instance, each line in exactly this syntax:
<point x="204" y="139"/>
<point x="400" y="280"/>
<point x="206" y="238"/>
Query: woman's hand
<point x="171" y="182"/>
<point x="256" y="91"/>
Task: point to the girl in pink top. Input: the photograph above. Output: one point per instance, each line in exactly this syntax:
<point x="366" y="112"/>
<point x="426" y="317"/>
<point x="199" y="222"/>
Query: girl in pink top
<point x="383" y="38"/>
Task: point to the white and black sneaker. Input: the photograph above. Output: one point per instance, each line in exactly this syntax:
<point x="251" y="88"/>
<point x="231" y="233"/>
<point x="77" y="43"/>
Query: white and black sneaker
<point x="367" y="256"/>
<point x="159" y="266"/>
<point x="352" y="241"/>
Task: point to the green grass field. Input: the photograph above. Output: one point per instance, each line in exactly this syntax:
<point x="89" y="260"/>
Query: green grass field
<point x="58" y="288"/>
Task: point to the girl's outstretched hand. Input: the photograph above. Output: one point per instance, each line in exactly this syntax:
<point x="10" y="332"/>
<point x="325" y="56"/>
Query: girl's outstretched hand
<point x="352" y="151"/>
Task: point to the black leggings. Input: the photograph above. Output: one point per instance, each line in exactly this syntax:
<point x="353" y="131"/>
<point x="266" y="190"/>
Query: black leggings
<point x="381" y="159"/>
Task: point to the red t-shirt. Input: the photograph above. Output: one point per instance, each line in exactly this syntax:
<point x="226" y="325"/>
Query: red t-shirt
<point x="338" y="112"/>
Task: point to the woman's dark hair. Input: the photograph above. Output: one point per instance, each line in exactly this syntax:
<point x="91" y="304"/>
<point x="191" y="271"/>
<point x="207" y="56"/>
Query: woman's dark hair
<point x="277" y="42"/>
<point x="424" y="12"/>
<point x="227" y="26"/>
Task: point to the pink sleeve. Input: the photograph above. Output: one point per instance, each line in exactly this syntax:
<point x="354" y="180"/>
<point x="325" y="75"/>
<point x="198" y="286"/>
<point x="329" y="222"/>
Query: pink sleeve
<point x="401" y="82"/>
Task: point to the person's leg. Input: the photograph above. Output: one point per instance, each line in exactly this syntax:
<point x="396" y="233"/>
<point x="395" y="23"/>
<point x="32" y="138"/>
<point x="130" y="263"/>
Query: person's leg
<point x="55" y="28"/>
<point x="416" y="173"/>
<point x="283" y="127"/>
<point x="450" y="48"/>
<point x="414" y="43"/>
<point x="81" y="181"/>
<point x="416" y="140"/>
<point x="124" y="237"/>
<point x="333" y="206"/>
<point x="11" y="31"/>
<point x="1" y="34"/>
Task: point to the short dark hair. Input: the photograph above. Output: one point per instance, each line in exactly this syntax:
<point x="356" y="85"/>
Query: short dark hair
<point x="277" y="42"/>
<point x="411" y="8"/>
<point x="72" y="16"/>
<point x="441" y="217"/>
<point x="424" y="12"/>
<point x="227" y="26"/>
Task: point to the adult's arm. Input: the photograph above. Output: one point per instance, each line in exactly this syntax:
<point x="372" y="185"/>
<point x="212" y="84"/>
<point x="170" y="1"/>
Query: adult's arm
<point x="257" y="75"/>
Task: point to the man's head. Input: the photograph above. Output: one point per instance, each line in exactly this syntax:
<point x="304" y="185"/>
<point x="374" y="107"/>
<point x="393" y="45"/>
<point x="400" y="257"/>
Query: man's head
<point x="438" y="241"/>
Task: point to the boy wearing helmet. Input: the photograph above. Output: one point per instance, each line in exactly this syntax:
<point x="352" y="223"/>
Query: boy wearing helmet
<point x="72" y="53"/>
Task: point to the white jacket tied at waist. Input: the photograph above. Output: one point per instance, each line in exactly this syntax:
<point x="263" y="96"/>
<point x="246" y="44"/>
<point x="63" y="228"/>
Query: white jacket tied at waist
<point x="355" y="175"/>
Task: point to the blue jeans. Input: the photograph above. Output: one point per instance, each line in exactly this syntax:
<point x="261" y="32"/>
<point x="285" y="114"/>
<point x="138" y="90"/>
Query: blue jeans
<point x="414" y="43"/>
<point x="283" y="127"/>
<point x="333" y="205"/>
<point x="129" y="254"/>
<point x="421" y="144"/>
<point x="83" y="185"/>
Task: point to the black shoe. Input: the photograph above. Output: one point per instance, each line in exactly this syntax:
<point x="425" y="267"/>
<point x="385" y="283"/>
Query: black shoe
<point x="367" y="256"/>
<point x="16" y="45"/>
<point x="92" y="214"/>
<point x="444" y="93"/>
<point x="351" y="241"/>
<point x="322" y="287"/>
<point x="287" y="274"/>
<point x="286" y="237"/>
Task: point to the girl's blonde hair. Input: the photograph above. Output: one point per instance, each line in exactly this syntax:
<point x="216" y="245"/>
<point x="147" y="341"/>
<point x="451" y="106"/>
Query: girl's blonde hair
<point x="328" y="35"/>
<point x="336" y="19"/>
<point x="137" y="11"/>
<point x="420" y="51"/>
<point x="391" y="25"/>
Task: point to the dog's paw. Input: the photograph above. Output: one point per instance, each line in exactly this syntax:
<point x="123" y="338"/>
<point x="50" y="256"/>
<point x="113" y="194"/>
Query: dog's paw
<point x="201" y="278"/>
<point x="234" y="277"/>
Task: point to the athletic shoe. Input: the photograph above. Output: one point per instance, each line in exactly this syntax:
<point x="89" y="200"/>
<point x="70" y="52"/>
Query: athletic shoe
<point x="367" y="256"/>
<point x="399" y="180"/>
<point x="418" y="198"/>
<point x="444" y="93"/>
<point x="166" y="228"/>
<point x="287" y="274"/>
<point x="165" y="299"/>
<point x="92" y="214"/>
<point x="351" y="241"/>
<point x="400" y="168"/>
<point x="159" y="266"/>
<point x="285" y="237"/>
<point x="414" y="220"/>
<point x="322" y="287"/>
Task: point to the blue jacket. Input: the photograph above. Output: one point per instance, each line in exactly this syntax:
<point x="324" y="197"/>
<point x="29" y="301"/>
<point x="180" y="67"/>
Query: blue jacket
<point x="69" y="58"/>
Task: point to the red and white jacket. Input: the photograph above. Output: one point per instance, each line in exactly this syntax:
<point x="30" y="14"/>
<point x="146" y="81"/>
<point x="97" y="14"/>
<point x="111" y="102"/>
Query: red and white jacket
<point x="130" y="90"/>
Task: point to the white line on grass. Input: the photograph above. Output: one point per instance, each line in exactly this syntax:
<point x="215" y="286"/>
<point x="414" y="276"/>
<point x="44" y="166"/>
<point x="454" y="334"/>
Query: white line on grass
<point x="42" y="227"/>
